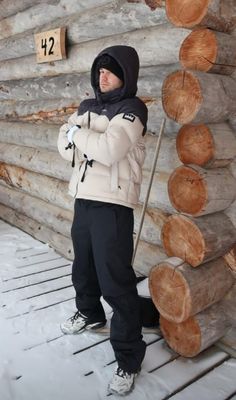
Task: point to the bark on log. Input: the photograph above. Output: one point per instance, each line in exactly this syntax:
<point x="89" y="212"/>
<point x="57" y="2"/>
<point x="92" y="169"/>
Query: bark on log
<point x="209" y="51"/>
<point x="198" y="240"/>
<point x="196" y="191"/>
<point x="113" y="18"/>
<point x="55" y="218"/>
<point x="77" y="86"/>
<point x="45" y="136"/>
<point x="60" y="243"/>
<point x="81" y="56"/>
<point x="48" y="189"/>
<point x="8" y="8"/>
<point x="211" y="146"/>
<point x="153" y="4"/>
<point x="230" y="259"/>
<point x="44" y="162"/>
<point x="215" y="14"/>
<point x="147" y="255"/>
<point x="179" y="291"/>
<point x="29" y="135"/>
<point x="41" y="14"/>
<point x="197" y="333"/>
<point x="198" y="97"/>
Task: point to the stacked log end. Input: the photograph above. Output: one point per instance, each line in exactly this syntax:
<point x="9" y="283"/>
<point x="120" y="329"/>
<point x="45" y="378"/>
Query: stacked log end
<point x="194" y="290"/>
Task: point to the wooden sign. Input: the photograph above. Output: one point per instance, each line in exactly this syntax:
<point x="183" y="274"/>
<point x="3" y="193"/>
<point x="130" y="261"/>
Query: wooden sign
<point x="50" y="45"/>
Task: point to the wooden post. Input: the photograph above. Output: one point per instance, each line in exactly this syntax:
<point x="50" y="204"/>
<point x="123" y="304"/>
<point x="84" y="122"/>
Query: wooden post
<point x="212" y="145"/>
<point x="209" y="51"/>
<point x="200" y="239"/>
<point x="198" y="97"/>
<point x="197" y="191"/>
<point x="179" y="291"/>
<point x="211" y="13"/>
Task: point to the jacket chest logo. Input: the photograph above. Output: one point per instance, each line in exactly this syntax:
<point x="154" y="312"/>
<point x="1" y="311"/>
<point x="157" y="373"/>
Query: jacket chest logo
<point x="129" y="117"/>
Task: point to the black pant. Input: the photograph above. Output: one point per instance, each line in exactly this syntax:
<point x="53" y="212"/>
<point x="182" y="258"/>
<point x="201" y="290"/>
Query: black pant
<point x="102" y="235"/>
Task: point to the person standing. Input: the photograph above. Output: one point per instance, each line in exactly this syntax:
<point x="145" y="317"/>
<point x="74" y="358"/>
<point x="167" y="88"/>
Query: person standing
<point x="104" y="141"/>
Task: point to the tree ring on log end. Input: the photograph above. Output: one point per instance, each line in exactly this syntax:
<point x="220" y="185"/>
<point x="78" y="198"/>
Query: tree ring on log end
<point x="184" y="338"/>
<point x="182" y="238"/>
<point x="195" y="144"/>
<point x="186" y="13"/>
<point x="170" y="292"/>
<point x="181" y="96"/>
<point x="199" y="50"/>
<point x="187" y="190"/>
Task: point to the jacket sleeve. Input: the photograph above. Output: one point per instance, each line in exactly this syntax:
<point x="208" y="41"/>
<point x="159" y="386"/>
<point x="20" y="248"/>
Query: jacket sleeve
<point x="62" y="142"/>
<point x="111" y="146"/>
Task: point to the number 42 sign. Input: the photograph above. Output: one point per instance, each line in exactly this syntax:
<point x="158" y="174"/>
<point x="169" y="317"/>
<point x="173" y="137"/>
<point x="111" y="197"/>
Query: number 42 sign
<point x="50" y="45"/>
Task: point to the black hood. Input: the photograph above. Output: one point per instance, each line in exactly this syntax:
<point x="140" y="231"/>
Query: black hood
<point x="128" y="60"/>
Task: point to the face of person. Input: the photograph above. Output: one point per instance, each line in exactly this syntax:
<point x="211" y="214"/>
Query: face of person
<point x="108" y="81"/>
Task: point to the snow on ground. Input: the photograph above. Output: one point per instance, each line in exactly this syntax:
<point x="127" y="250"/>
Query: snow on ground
<point x="38" y="362"/>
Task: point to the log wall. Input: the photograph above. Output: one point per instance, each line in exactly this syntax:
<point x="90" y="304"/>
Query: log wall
<point x="35" y="99"/>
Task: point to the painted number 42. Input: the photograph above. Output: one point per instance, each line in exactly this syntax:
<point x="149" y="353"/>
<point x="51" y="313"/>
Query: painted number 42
<point x="47" y="45"/>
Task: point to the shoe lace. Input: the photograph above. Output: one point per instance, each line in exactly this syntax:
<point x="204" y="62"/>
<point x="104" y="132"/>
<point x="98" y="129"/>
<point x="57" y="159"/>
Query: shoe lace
<point x="122" y="374"/>
<point x="76" y="316"/>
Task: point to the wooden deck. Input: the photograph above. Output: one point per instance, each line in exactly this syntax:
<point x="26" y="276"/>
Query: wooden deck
<point x="38" y="362"/>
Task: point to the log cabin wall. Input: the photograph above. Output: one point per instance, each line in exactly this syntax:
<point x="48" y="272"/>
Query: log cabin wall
<point x="200" y="237"/>
<point x="35" y="99"/>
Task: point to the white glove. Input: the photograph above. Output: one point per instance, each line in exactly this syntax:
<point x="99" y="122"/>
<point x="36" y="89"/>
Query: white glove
<point x="70" y="133"/>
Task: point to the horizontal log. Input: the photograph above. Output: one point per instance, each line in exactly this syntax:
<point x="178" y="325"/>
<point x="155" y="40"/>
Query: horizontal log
<point x="198" y="97"/>
<point x="55" y="218"/>
<point x="77" y="86"/>
<point x="209" y="51"/>
<point x="48" y="189"/>
<point x="43" y="13"/>
<point x="54" y="192"/>
<point x="197" y="333"/>
<point x="179" y="291"/>
<point x="153" y="4"/>
<point x="60" y="243"/>
<point x="47" y="112"/>
<point x="198" y="240"/>
<point x="50" y="163"/>
<point x="8" y="8"/>
<point x="228" y="341"/>
<point x="215" y="14"/>
<point x="210" y="146"/>
<point x="37" y="160"/>
<point x="113" y="18"/>
<point x="29" y="135"/>
<point x="196" y="191"/>
<point x="82" y="55"/>
<point x="231" y="213"/>
<point x="45" y="136"/>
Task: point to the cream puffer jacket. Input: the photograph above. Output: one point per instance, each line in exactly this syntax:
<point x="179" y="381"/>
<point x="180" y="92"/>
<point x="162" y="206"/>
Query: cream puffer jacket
<point x="117" y="150"/>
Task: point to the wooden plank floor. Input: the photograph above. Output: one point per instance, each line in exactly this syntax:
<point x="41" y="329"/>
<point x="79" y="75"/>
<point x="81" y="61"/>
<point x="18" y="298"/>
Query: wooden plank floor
<point x="37" y="361"/>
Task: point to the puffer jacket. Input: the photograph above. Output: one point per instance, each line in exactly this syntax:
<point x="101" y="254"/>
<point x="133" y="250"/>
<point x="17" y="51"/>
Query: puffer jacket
<point x="109" y="147"/>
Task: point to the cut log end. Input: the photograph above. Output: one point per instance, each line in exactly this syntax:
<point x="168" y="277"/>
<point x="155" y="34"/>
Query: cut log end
<point x="187" y="190"/>
<point x="199" y="50"/>
<point x="181" y="96"/>
<point x="182" y="238"/>
<point x="169" y="292"/>
<point x="186" y="13"/>
<point x="184" y="338"/>
<point x="195" y="145"/>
